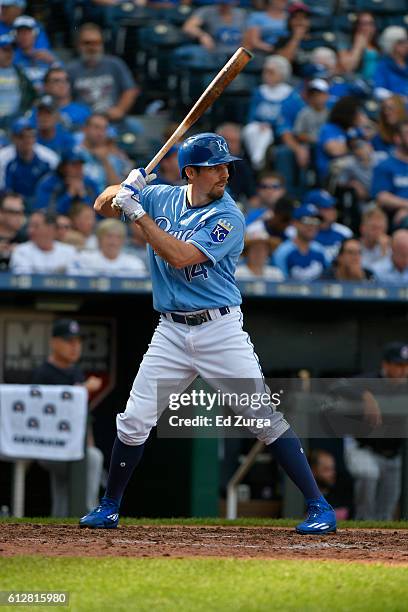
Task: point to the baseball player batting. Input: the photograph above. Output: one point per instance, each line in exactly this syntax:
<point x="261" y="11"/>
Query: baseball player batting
<point x="195" y="235"/>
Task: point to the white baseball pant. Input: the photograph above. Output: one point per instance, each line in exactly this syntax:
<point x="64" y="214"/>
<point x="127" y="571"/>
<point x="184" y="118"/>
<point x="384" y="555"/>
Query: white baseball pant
<point x="216" y="350"/>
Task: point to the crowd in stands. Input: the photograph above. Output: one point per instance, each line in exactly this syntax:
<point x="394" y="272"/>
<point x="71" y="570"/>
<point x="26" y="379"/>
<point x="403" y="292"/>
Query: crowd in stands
<point x="320" y="118"/>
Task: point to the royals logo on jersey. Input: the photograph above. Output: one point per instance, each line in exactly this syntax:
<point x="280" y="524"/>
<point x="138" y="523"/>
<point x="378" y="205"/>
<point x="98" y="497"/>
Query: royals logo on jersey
<point x="221" y="231"/>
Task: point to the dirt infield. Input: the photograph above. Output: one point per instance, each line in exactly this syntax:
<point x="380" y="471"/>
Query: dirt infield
<point x="368" y="545"/>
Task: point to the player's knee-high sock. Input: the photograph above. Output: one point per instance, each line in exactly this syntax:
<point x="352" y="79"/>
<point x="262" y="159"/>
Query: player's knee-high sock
<point x="124" y="459"/>
<point x="289" y="453"/>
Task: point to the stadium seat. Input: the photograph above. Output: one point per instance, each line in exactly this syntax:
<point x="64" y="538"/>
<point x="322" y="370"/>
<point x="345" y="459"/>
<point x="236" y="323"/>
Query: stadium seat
<point x="382" y="6"/>
<point x="320" y="22"/>
<point x="319" y="8"/>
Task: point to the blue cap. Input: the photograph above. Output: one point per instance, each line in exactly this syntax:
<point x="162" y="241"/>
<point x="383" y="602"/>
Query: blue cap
<point x="72" y="155"/>
<point x="320" y="198"/>
<point x="23" y="123"/>
<point x="6" y="40"/>
<point x="305" y="211"/>
<point x="20" y="3"/>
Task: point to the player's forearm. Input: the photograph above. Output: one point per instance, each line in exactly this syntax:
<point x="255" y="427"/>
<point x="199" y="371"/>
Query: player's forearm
<point x="177" y="253"/>
<point x="103" y="203"/>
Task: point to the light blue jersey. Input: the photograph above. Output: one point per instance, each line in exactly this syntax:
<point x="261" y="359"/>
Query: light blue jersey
<point x="216" y="229"/>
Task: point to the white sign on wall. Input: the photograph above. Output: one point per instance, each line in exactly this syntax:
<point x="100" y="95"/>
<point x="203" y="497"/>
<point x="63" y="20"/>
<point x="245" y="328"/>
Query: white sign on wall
<point x="43" y="422"/>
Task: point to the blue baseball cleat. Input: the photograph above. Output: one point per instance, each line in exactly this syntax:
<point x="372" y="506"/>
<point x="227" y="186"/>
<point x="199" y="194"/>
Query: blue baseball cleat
<point x="320" y="519"/>
<point x="104" y="516"/>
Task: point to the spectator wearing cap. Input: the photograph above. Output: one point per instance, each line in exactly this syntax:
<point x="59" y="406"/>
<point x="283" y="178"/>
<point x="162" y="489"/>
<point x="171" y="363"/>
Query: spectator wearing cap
<point x="56" y="84"/>
<point x="295" y="45"/>
<point x="12" y="222"/>
<point x="374" y="240"/>
<point x="302" y="258"/>
<point x="110" y="258"/>
<point x="264" y="28"/>
<point x="332" y="140"/>
<point x="362" y="56"/>
<point x="32" y="60"/>
<point x="24" y="162"/>
<point x="217" y="28"/>
<point x="272" y="113"/>
<point x="59" y="190"/>
<point x="16" y="92"/>
<point x="50" y="132"/>
<point x="270" y="187"/>
<point x="257" y="252"/>
<point x="313" y="116"/>
<point x="394" y="268"/>
<point x="347" y="265"/>
<point x="375" y="463"/>
<point x="61" y="368"/>
<point x="391" y="75"/>
<point x="168" y="172"/>
<point x="103" y="82"/>
<point x="390" y="179"/>
<point x="42" y="254"/>
<point x="241" y="182"/>
<point x="10" y="10"/>
<point x="331" y="234"/>
<point x="105" y="164"/>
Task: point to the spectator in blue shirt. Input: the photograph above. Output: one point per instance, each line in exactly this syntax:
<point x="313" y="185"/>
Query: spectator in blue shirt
<point x="264" y="28"/>
<point x="56" y="84"/>
<point x="390" y="178"/>
<point x="274" y="107"/>
<point x="332" y="140"/>
<point x="25" y="162"/>
<point x="301" y="258"/>
<point x="59" y="190"/>
<point x="50" y="132"/>
<point x="10" y="10"/>
<point x="331" y="234"/>
<point x="105" y="163"/>
<point x="391" y="75"/>
<point x="218" y="27"/>
<point x="32" y="60"/>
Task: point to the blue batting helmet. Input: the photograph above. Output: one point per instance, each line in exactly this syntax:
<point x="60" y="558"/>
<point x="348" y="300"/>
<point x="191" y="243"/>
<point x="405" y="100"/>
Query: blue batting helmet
<point x="205" y="149"/>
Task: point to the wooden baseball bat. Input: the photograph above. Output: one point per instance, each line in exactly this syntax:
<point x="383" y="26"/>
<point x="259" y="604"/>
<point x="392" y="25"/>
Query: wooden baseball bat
<point x="227" y="74"/>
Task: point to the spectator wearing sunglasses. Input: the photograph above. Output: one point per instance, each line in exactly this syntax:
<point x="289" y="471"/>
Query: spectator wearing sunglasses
<point x="347" y="266"/>
<point x="302" y="258"/>
<point x="270" y="187"/>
